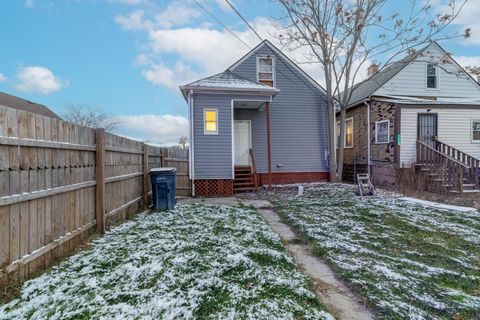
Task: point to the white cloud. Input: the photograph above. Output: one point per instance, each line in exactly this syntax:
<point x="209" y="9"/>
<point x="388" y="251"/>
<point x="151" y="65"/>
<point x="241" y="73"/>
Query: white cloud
<point x="3" y="78"/>
<point x="159" y="74"/>
<point x="208" y="49"/>
<point x="142" y="59"/>
<point x="175" y="14"/>
<point x="38" y="79"/>
<point x="161" y="129"/>
<point x="133" y="21"/>
<point x="472" y="61"/>
<point x="215" y="50"/>
<point x="29" y="4"/>
<point x="467" y="18"/>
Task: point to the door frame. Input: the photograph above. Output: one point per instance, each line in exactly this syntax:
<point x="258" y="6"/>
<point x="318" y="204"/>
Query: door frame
<point x="249" y="137"/>
<point x="418" y="123"/>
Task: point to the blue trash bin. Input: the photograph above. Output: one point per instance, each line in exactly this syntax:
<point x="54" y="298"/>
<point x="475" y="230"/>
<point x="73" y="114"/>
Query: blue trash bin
<point x="163" y="188"/>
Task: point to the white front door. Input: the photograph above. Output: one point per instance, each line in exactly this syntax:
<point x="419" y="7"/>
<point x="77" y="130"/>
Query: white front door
<point x="241" y="137"/>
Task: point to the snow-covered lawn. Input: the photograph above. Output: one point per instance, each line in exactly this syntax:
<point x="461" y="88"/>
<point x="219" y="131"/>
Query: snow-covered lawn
<point x="408" y="261"/>
<point x="195" y="262"/>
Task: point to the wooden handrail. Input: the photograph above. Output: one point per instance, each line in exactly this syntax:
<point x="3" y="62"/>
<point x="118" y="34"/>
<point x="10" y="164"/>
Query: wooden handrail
<point x="471" y="162"/>
<point x="253" y="168"/>
<point x="444" y="167"/>
<point x="457" y="154"/>
<point x="437" y="153"/>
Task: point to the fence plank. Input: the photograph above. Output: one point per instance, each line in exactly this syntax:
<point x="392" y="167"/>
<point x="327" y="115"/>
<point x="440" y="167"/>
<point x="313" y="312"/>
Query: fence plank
<point x="145" y="177"/>
<point x="4" y="235"/>
<point x="100" y="194"/>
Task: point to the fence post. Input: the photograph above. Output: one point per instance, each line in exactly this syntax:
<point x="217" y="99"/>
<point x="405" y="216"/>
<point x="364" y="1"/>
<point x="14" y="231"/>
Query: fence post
<point x="460" y="176"/>
<point x="164" y="156"/>
<point x="100" y="177"/>
<point x="145" y="177"/>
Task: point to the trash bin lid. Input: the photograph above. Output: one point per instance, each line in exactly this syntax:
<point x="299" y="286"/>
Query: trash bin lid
<point x="163" y="170"/>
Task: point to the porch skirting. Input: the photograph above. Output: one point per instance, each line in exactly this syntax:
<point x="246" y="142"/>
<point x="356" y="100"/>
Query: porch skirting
<point x="214" y="187"/>
<point x="293" y="177"/>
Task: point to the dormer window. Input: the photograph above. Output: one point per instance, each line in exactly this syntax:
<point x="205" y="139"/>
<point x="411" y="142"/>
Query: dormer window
<point x="266" y="70"/>
<point x="432" y="76"/>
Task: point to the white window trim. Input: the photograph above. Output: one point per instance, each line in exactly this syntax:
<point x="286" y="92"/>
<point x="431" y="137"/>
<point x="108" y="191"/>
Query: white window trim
<point x="437" y="74"/>
<point x="388" y="132"/>
<point x="345" y="138"/>
<point x="471" y="131"/>
<point x="205" y="122"/>
<point x="273" y="68"/>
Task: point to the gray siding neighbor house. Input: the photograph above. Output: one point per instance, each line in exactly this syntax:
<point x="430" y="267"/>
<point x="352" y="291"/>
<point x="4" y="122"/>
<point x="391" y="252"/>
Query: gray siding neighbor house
<point x="262" y="121"/>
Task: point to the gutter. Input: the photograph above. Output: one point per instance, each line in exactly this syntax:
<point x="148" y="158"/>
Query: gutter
<point x="192" y="141"/>
<point x="369" y="157"/>
<point x="232" y="89"/>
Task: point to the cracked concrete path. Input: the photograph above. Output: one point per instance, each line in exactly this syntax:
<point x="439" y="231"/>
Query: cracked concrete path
<point x="337" y="298"/>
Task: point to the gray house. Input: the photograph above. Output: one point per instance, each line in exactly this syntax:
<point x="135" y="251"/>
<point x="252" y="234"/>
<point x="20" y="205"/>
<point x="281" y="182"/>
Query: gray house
<point x="262" y="121"/>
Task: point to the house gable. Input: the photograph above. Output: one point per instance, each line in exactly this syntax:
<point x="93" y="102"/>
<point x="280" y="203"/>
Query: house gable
<point x="298" y="116"/>
<point x="247" y="66"/>
<point x="411" y="80"/>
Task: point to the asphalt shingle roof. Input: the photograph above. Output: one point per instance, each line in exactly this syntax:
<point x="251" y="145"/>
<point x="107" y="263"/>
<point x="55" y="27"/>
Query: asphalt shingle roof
<point x="14" y="102"/>
<point x="229" y="80"/>
<point x="364" y="89"/>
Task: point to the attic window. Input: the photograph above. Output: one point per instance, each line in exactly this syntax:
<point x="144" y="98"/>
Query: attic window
<point x="432" y="77"/>
<point x="266" y="70"/>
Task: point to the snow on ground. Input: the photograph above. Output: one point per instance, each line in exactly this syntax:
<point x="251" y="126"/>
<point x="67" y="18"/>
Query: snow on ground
<point x="409" y="261"/>
<point x="195" y="262"/>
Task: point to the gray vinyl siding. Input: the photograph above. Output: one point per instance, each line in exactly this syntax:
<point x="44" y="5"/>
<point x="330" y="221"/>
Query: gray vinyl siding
<point x="213" y="153"/>
<point x="298" y="120"/>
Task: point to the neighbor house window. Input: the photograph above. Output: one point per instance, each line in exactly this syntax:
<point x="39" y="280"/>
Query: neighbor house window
<point x="382" y="131"/>
<point x="432" y="76"/>
<point x="265" y="70"/>
<point x="210" y="117"/>
<point x="348" y="133"/>
<point x="476" y="131"/>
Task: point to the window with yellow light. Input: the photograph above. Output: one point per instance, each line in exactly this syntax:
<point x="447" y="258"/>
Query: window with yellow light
<point x="348" y="141"/>
<point x="211" y="121"/>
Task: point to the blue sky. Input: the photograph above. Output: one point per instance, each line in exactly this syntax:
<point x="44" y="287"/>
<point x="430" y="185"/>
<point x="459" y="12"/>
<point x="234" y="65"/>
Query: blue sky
<point x="128" y="57"/>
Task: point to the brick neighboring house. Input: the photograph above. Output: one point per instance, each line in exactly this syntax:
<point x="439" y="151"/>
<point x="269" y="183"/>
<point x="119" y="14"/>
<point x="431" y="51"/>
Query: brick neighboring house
<point x="426" y="102"/>
<point x="14" y="102"/>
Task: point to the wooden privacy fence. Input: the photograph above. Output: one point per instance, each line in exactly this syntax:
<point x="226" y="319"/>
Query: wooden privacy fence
<point x="60" y="181"/>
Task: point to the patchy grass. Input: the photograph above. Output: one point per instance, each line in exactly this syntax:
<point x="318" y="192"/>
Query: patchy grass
<point x="406" y="260"/>
<point x="195" y="262"/>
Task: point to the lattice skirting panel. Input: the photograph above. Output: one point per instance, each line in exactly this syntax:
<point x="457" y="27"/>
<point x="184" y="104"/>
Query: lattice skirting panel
<point x="213" y="187"/>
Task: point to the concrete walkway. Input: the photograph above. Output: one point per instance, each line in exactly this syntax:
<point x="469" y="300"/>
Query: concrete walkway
<point x="338" y="299"/>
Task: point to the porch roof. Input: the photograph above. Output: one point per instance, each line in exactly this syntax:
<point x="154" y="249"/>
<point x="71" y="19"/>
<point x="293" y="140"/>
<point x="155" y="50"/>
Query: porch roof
<point x="229" y="82"/>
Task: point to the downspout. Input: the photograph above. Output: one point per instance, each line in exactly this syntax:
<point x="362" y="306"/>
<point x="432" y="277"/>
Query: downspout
<point x="192" y="142"/>
<point x="369" y="159"/>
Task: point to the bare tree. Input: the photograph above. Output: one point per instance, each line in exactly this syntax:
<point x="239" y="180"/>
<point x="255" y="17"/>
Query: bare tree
<point x="183" y="142"/>
<point x="345" y="36"/>
<point x="89" y="117"/>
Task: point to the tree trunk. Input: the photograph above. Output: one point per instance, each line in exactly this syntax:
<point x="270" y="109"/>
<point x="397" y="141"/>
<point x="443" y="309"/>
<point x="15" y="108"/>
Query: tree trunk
<point x="331" y="141"/>
<point x="341" y="147"/>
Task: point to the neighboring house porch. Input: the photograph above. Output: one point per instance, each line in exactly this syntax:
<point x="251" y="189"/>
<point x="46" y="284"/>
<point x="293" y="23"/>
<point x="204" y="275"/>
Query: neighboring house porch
<point x="439" y="139"/>
<point x="419" y="112"/>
